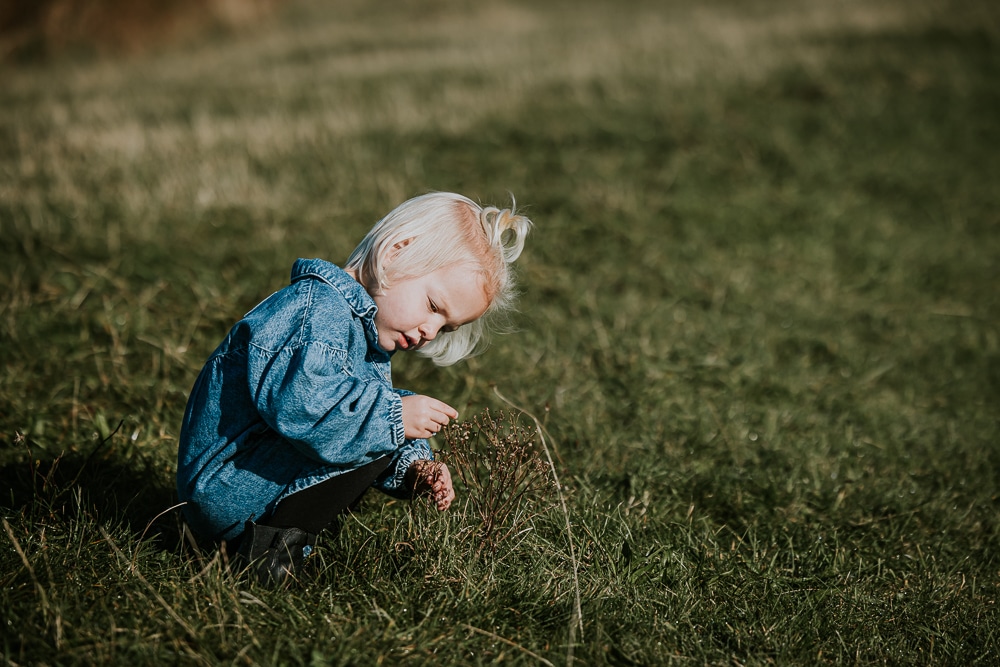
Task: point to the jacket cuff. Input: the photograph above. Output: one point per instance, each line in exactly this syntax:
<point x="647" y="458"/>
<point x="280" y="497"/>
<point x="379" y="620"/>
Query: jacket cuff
<point x="393" y="481"/>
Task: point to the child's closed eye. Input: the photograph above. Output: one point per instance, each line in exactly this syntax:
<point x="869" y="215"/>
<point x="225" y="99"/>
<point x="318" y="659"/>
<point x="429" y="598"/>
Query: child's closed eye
<point x="433" y="307"/>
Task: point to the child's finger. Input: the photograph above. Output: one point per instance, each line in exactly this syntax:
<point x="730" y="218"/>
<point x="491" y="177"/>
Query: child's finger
<point x="448" y="411"/>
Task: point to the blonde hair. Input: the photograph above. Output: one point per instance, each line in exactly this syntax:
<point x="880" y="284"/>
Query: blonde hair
<point x="440" y="229"/>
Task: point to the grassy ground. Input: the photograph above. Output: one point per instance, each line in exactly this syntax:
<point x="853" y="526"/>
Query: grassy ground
<point x="760" y="324"/>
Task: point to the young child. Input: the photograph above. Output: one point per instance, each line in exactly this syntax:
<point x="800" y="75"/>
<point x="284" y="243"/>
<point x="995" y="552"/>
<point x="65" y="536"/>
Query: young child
<point x="294" y="415"/>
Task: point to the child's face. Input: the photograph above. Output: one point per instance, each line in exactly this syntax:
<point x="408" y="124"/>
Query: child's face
<point x="413" y="311"/>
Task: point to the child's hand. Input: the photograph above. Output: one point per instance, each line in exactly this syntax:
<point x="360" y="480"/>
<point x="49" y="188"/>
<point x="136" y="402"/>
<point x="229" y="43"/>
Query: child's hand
<point x="433" y="478"/>
<point x="424" y="416"/>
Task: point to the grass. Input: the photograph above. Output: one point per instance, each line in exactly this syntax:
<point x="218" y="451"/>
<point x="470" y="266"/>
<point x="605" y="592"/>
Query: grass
<point x="760" y="326"/>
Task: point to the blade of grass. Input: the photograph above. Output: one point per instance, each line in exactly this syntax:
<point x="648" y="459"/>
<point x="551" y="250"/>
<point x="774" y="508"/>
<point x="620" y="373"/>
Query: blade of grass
<point x="493" y="635"/>
<point x="42" y="596"/>
<point x="577" y="620"/>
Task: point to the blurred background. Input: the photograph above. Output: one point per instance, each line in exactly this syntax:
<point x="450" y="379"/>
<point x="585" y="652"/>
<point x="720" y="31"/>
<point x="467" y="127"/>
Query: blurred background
<point x="32" y="31"/>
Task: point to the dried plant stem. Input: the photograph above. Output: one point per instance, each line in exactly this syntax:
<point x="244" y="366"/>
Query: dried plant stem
<point x="146" y="530"/>
<point x="493" y="635"/>
<point x="507" y="479"/>
<point x="577" y="621"/>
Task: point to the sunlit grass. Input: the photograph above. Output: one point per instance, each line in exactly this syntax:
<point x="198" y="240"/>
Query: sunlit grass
<point x="759" y="327"/>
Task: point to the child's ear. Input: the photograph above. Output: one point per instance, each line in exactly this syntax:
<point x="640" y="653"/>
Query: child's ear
<point x="395" y="250"/>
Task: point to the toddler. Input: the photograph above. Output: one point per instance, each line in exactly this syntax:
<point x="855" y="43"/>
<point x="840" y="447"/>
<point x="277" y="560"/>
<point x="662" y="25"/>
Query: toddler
<point x="294" y="415"/>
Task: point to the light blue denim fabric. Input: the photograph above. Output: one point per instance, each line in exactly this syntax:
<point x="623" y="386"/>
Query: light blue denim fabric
<point x="297" y="393"/>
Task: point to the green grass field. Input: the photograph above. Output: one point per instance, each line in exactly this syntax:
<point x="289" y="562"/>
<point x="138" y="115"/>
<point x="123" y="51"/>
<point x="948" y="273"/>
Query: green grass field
<point x="760" y="323"/>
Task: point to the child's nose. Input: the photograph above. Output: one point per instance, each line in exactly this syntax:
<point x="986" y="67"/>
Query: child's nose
<point x="430" y="330"/>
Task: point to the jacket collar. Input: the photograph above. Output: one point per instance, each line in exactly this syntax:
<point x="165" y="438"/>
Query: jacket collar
<point x="360" y="302"/>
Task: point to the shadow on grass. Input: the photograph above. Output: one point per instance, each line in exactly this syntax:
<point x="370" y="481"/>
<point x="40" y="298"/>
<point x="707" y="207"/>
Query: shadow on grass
<point x="105" y="488"/>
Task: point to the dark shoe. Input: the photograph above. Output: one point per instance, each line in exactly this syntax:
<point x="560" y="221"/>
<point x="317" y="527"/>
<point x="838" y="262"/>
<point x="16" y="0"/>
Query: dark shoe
<point x="273" y="556"/>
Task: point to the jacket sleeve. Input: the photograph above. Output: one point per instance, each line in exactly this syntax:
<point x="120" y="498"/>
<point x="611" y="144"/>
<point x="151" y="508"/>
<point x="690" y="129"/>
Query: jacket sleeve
<point x="393" y="480"/>
<point x="305" y="395"/>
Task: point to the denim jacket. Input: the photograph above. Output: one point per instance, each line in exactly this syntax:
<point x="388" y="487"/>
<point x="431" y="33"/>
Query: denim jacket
<point x="297" y="393"/>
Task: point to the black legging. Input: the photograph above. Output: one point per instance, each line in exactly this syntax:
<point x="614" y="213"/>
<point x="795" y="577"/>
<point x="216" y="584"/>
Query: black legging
<point x="318" y="507"/>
